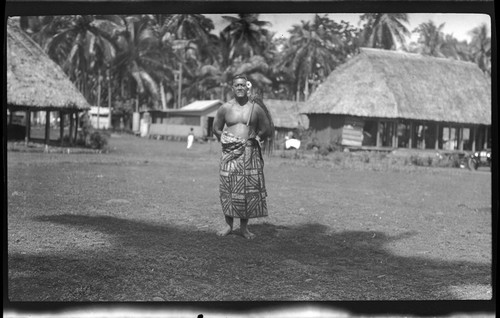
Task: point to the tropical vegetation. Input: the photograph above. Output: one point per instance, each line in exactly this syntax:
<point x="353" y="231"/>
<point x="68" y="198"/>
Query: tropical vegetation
<point x="161" y="61"/>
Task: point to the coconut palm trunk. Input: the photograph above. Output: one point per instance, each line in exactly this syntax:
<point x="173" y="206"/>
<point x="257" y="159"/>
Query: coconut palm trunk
<point x="109" y="98"/>
<point x="98" y="97"/>
<point x="179" y="97"/>
<point x="298" y="90"/>
<point x="162" y="96"/>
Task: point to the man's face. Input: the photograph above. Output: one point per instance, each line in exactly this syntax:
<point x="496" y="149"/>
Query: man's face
<point x="240" y="87"/>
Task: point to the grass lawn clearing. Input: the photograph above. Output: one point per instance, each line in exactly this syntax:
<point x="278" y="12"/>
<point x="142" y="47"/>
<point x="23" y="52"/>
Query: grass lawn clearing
<point x="139" y="223"/>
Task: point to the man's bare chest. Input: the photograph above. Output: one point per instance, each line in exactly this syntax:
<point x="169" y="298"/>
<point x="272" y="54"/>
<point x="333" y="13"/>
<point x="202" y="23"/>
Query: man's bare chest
<point x="238" y="114"/>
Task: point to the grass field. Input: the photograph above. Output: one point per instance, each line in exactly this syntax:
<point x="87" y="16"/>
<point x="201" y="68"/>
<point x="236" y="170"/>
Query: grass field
<point x="139" y="223"/>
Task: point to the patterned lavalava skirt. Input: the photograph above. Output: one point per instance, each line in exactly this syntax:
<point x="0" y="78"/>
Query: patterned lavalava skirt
<point x="242" y="187"/>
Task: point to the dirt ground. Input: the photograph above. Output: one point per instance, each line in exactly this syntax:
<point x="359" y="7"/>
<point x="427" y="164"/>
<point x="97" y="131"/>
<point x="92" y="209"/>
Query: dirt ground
<point x="139" y="223"/>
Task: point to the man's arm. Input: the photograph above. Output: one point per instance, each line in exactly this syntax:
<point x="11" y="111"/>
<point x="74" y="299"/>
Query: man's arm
<point x="219" y="122"/>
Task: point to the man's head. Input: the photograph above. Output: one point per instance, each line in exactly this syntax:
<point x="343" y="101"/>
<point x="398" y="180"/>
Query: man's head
<point x="240" y="86"/>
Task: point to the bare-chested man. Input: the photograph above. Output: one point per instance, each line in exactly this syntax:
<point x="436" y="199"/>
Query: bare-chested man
<point x="242" y="188"/>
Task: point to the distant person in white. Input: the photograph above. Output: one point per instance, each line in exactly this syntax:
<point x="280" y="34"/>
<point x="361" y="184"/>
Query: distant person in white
<point x="291" y="142"/>
<point x="190" y="139"/>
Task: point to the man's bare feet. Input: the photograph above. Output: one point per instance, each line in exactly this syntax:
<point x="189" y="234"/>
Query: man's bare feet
<point x="247" y="234"/>
<point x="225" y="231"/>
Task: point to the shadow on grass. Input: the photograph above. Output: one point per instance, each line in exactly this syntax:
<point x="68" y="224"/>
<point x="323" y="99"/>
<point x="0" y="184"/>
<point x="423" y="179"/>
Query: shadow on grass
<point x="306" y="262"/>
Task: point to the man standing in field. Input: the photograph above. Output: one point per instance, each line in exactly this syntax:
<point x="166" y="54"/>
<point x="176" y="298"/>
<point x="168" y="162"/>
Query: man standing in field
<point x="242" y="188"/>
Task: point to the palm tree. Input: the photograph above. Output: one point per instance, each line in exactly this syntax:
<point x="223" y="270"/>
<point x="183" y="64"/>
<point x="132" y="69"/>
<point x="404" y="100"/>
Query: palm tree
<point x="202" y="83"/>
<point x="314" y="50"/>
<point x="89" y="49"/>
<point x="244" y="47"/>
<point x="452" y="48"/>
<point x="431" y="38"/>
<point x="77" y="43"/>
<point x="245" y="36"/>
<point x="481" y="47"/>
<point x="384" y="30"/>
<point x="140" y="59"/>
<point x="43" y="28"/>
<point x="190" y="35"/>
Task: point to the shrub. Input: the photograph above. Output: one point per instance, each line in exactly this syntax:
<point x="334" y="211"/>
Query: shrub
<point x="311" y="144"/>
<point x="338" y="159"/>
<point x="98" y="140"/>
<point x="382" y="155"/>
<point x="455" y="160"/>
<point x="335" y="146"/>
<point x="324" y="150"/>
<point x="66" y="140"/>
<point x="416" y="160"/>
<point x="366" y="158"/>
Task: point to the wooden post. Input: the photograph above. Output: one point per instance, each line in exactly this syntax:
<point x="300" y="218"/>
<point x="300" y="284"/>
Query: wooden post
<point x="474" y="129"/>
<point x="449" y="139"/>
<point x="485" y="136"/>
<point x="71" y="125"/>
<point x="378" y="133"/>
<point x="423" y="135"/>
<point x="47" y="127"/>
<point x="461" y="138"/>
<point x="436" y="138"/>
<point x="28" y="127"/>
<point x="61" y="126"/>
<point x="394" y="134"/>
<point x="77" y="122"/>
<point x="410" y="139"/>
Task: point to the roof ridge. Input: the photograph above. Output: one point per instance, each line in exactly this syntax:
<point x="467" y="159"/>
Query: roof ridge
<point x="404" y="54"/>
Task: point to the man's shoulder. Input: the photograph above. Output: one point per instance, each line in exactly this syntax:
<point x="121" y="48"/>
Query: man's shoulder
<point x="227" y="104"/>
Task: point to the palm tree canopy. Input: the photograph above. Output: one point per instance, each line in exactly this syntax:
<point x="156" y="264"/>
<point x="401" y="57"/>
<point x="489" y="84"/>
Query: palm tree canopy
<point x="431" y="38"/>
<point x="481" y="47"/>
<point x="384" y="30"/>
<point x="315" y="48"/>
<point x="140" y="55"/>
<point x="246" y="35"/>
<point x="189" y="26"/>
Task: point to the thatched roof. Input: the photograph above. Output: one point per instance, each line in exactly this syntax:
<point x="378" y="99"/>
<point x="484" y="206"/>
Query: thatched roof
<point x="389" y="84"/>
<point x="33" y="79"/>
<point x="286" y="114"/>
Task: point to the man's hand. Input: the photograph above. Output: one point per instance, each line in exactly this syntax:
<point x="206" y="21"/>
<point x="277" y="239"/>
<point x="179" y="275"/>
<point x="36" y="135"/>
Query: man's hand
<point x="259" y="140"/>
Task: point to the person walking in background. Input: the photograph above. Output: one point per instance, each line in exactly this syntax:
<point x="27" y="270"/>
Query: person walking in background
<point x="190" y="138"/>
<point x="242" y="187"/>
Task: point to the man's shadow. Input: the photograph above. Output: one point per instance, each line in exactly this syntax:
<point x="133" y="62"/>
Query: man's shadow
<point x="303" y="262"/>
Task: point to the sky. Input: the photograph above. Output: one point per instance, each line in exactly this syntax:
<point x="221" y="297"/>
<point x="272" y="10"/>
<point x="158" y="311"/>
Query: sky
<point x="458" y="25"/>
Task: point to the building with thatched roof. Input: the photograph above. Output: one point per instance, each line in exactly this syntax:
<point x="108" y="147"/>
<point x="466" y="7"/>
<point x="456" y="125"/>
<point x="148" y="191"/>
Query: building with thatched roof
<point x="286" y="117"/>
<point x="393" y="99"/>
<point x="36" y="83"/>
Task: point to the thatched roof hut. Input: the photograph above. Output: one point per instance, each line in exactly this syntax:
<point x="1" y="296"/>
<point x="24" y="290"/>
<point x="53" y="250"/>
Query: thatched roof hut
<point x="389" y="84"/>
<point x="286" y="114"/>
<point x="34" y="81"/>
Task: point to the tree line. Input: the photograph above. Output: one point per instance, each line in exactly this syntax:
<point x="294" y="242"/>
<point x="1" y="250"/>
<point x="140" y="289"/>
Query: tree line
<point x="160" y="61"/>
